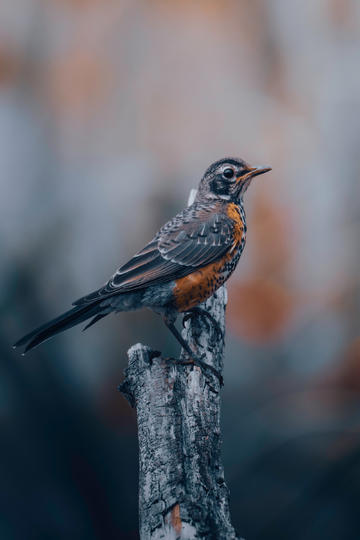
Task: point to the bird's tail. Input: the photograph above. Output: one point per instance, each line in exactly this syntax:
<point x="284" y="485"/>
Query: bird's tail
<point x="68" y="319"/>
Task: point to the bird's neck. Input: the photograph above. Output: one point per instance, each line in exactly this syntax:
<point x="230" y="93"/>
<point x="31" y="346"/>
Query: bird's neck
<point x="217" y="202"/>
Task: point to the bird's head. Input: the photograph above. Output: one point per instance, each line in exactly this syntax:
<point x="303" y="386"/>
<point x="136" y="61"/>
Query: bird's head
<point x="228" y="179"/>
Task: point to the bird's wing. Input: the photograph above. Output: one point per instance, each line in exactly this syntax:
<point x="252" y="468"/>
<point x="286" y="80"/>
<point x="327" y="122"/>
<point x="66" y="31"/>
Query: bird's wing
<point x="194" y="238"/>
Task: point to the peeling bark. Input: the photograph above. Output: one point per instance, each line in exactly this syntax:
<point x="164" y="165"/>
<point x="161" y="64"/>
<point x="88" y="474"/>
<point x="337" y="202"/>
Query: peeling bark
<point x="182" y="491"/>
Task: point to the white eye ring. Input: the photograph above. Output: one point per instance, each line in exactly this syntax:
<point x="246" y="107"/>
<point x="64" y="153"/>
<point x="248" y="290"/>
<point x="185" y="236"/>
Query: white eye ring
<point x="228" y="173"/>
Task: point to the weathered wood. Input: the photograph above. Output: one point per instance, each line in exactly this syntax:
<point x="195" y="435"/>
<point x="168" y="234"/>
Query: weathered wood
<point x="182" y="491"/>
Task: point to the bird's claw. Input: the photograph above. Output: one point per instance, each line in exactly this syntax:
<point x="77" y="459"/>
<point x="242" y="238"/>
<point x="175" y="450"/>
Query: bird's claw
<point x="202" y="365"/>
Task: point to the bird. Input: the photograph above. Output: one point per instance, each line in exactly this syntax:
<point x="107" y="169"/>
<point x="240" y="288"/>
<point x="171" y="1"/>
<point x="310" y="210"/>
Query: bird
<point x="188" y="259"/>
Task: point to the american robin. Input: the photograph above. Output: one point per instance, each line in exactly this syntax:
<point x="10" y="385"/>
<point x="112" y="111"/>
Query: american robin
<point x="190" y="257"/>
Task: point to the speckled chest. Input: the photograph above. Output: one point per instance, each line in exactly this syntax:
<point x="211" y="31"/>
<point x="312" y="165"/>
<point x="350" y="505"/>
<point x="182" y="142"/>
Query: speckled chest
<point x="196" y="287"/>
<point x="237" y="213"/>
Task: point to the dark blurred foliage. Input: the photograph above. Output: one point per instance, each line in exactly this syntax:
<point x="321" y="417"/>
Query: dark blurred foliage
<point x="110" y="111"/>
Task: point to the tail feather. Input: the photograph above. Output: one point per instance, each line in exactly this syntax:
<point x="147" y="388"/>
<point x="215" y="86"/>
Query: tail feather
<point x="95" y="320"/>
<point x="65" y="321"/>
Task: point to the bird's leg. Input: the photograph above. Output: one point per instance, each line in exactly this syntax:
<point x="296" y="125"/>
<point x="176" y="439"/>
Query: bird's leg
<point x="192" y="358"/>
<point x="206" y="315"/>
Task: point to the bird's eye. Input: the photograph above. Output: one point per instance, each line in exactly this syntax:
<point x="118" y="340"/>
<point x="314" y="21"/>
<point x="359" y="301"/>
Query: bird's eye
<point x="228" y="173"/>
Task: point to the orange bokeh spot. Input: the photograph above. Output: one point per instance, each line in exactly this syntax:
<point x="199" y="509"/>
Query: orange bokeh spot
<point x="259" y="310"/>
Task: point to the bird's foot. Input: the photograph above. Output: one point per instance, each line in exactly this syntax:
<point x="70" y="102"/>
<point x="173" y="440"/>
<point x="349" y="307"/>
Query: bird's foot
<point x="199" y="312"/>
<point x="193" y="361"/>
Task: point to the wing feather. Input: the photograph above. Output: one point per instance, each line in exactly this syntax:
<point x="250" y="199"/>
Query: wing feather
<point x="199" y="235"/>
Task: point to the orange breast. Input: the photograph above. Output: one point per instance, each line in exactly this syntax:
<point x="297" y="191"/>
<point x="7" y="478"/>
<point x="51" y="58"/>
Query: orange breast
<point x="198" y="286"/>
<point x="233" y="213"/>
<point x="195" y="288"/>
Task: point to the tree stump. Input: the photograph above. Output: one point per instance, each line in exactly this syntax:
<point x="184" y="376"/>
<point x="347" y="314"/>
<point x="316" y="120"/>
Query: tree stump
<point x="182" y="491"/>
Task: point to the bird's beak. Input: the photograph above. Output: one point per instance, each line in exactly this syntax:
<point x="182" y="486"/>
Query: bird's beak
<point x="253" y="171"/>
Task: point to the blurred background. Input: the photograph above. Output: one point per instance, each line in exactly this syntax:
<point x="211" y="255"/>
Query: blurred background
<point x="110" y="111"/>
